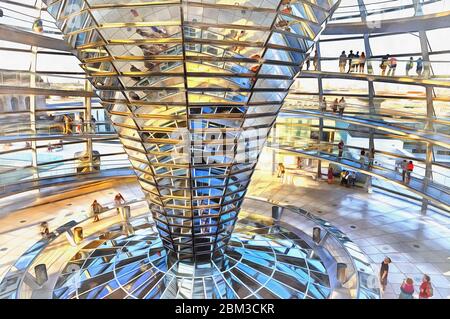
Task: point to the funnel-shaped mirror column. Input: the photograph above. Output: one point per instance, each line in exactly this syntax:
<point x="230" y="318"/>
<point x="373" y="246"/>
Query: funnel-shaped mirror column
<point x="192" y="88"/>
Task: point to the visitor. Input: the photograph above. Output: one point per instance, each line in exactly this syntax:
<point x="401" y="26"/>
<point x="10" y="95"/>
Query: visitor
<point x="371" y="157"/>
<point x="342" y="62"/>
<point x="426" y="289"/>
<point x="419" y="66"/>
<point x="49" y="147"/>
<point x="118" y="201"/>
<point x="281" y="170"/>
<point x="351" y="179"/>
<point x="355" y="62"/>
<point x="344" y="177"/>
<point x="44" y="229"/>
<point x="299" y="162"/>
<point x="404" y="167"/>
<point x="407" y="289"/>
<point x="308" y="62"/>
<point x="80" y="125"/>
<point x="384" y="64"/>
<point x="341" y="106"/>
<point x="362" y="158"/>
<point x="350" y="59"/>
<point x="323" y="105"/>
<point x="67" y="124"/>
<point x="93" y="120"/>
<point x="398" y="164"/>
<point x="384" y="272"/>
<point x="316" y="60"/>
<point x="392" y="66"/>
<point x="341" y="148"/>
<point x="409" y="170"/>
<point x="330" y="175"/>
<point x="96" y="209"/>
<point x="334" y="105"/>
<point x="409" y="65"/>
<point x="362" y="62"/>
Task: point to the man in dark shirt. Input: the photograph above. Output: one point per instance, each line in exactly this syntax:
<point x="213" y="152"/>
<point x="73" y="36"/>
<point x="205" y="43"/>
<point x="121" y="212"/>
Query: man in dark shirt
<point x="350" y="57"/>
<point x="340" y="148"/>
<point x="384" y="271"/>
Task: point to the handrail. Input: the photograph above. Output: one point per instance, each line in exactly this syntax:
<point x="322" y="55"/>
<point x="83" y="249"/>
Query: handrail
<point x="440" y="194"/>
<point x="340" y="238"/>
<point x="330" y="147"/>
<point x="21" y="271"/>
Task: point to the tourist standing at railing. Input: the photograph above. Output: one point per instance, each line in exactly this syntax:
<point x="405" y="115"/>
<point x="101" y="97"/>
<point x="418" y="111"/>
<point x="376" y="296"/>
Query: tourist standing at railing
<point x="409" y="65"/>
<point x="362" y="158"/>
<point x="350" y="57"/>
<point x="392" y="66"/>
<point x="44" y="229"/>
<point x="409" y="170"/>
<point x="334" y="105"/>
<point x="371" y="157"/>
<point x="341" y="106"/>
<point x="342" y="62"/>
<point x="355" y="62"/>
<point x="323" y="105"/>
<point x="80" y="125"/>
<point x="384" y="64"/>
<point x="67" y="124"/>
<point x="96" y="209"/>
<point x="341" y="148"/>
<point x="316" y="60"/>
<point x="362" y="62"/>
<point x="419" y="66"/>
<point x="352" y="179"/>
<point x="93" y="120"/>
<point x="119" y="201"/>
<point x="404" y="167"/>
<point x="308" y="62"/>
<point x="281" y="170"/>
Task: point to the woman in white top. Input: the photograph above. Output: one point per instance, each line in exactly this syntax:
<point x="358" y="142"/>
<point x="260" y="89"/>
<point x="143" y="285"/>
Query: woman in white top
<point x="341" y="106"/>
<point x="323" y="105"/>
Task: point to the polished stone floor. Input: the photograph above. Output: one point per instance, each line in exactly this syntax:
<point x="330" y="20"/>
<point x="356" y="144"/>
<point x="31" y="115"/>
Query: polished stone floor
<point x="381" y="225"/>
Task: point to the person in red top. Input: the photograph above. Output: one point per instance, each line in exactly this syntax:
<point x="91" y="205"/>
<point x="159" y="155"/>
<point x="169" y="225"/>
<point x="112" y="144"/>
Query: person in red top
<point x="392" y="66"/>
<point x="426" y="290"/>
<point x="409" y="169"/>
<point x="330" y="174"/>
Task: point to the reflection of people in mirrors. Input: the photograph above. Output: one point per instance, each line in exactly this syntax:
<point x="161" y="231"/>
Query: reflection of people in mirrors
<point x="240" y="35"/>
<point x="133" y="95"/>
<point x="255" y="68"/>
<point x="135" y="69"/>
<point x="281" y="170"/>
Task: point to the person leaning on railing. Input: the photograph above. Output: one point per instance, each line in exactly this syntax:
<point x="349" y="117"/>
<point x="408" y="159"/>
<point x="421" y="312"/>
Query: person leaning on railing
<point x="96" y="209"/>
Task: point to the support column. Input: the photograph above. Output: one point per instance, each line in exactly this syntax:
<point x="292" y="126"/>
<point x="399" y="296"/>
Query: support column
<point x="430" y="107"/>
<point x="274" y="152"/>
<point x="33" y="129"/>
<point x="88" y="128"/>
<point x="428" y="176"/>
<point x="320" y="86"/>
<point x="370" y="88"/>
